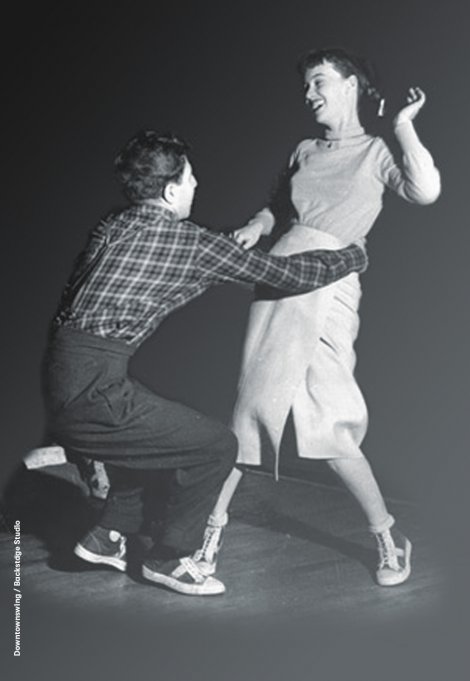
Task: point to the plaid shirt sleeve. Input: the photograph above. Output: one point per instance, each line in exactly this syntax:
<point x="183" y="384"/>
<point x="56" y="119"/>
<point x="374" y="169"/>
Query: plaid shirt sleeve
<point x="221" y="260"/>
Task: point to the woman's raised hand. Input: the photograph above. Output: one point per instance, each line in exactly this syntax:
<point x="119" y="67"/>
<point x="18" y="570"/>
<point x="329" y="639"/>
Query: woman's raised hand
<point x="249" y="235"/>
<point x="414" y="101"/>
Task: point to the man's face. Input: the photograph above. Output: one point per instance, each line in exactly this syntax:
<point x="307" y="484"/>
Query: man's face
<point x="183" y="192"/>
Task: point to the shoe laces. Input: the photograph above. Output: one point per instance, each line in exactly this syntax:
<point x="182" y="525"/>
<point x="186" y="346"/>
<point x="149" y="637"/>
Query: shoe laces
<point x="387" y="551"/>
<point x="192" y="569"/>
<point x="210" y="544"/>
<point x="121" y="546"/>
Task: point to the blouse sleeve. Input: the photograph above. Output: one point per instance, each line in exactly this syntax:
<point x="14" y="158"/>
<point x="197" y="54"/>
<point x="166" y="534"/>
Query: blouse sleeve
<point x="417" y="178"/>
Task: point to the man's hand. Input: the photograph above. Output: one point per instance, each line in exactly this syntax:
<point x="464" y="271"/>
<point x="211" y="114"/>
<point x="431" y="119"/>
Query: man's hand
<point x="414" y="102"/>
<point x="249" y="235"/>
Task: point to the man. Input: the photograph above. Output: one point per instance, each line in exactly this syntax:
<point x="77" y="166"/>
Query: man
<point x="137" y="267"/>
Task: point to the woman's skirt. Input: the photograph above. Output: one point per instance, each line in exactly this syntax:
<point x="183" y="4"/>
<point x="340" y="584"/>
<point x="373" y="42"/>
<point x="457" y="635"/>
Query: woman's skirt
<point x="299" y="357"/>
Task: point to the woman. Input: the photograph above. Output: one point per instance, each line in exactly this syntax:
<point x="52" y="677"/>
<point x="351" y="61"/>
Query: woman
<point x="298" y="353"/>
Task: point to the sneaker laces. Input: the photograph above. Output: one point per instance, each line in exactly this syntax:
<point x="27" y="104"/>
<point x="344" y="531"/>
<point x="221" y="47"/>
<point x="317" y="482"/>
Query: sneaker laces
<point x="388" y="552"/>
<point x="122" y="547"/>
<point x="122" y="543"/>
<point x="192" y="569"/>
<point x="210" y="544"/>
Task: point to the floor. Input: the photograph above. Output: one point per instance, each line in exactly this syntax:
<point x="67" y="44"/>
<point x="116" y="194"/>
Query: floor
<point x="292" y="548"/>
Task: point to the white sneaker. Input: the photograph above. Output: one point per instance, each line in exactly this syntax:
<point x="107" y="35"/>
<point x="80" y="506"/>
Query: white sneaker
<point x="394" y="558"/>
<point x="103" y="547"/>
<point x="182" y="575"/>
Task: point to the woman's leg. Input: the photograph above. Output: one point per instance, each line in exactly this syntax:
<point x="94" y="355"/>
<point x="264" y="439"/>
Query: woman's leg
<point x="394" y="551"/>
<point x="225" y="497"/>
<point x="358" y="478"/>
<point x="206" y="556"/>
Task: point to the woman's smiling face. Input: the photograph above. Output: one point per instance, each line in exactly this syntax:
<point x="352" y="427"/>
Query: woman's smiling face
<point x="331" y="97"/>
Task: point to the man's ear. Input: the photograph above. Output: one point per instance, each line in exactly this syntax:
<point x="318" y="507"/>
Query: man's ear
<point x="169" y="192"/>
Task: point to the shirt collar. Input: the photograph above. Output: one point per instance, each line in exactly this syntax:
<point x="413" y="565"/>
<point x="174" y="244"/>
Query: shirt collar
<point x="156" y="209"/>
<point x="346" y="134"/>
<point x="350" y="137"/>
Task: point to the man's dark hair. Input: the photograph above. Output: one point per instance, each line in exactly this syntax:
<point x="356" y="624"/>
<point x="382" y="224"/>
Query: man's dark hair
<point x="148" y="162"/>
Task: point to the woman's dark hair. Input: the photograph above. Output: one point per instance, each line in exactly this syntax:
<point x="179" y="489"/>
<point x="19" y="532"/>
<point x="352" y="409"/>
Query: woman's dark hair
<point x="148" y="162"/>
<point x="346" y="64"/>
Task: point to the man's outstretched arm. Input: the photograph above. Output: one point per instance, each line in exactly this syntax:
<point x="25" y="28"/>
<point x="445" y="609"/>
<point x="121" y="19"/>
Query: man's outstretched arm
<point x="222" y="260"/>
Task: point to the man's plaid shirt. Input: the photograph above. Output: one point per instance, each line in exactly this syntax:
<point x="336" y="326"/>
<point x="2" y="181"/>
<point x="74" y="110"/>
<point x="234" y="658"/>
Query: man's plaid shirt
<point x="143" y="263"/>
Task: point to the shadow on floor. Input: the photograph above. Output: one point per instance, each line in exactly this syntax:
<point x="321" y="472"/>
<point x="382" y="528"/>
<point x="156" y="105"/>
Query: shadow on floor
<point x="288" y="525"/>
<point x="56" y="509"/>
<point x="50" y="508"/>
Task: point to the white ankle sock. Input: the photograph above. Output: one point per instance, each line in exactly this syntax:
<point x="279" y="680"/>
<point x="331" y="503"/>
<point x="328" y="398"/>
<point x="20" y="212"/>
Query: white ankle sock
<point x="386" y="524"/>
<point x="218" y="521"/>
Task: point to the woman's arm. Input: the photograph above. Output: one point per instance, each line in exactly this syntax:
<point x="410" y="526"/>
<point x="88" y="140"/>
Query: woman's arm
<point x="418" y="179"/>
<point x="263" y="222"/>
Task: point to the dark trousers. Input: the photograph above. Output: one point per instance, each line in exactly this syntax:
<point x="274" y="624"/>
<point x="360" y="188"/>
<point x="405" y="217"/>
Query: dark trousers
<point x="95" y="409"/>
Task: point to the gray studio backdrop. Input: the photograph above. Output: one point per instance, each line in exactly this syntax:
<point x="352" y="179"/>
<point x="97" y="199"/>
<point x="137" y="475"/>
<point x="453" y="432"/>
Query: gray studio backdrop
<point x="82" y="78"/>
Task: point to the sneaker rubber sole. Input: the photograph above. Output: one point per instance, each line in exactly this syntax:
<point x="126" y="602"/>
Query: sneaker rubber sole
<point x="97" y="559"/>
<point x="209" y="587"/>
